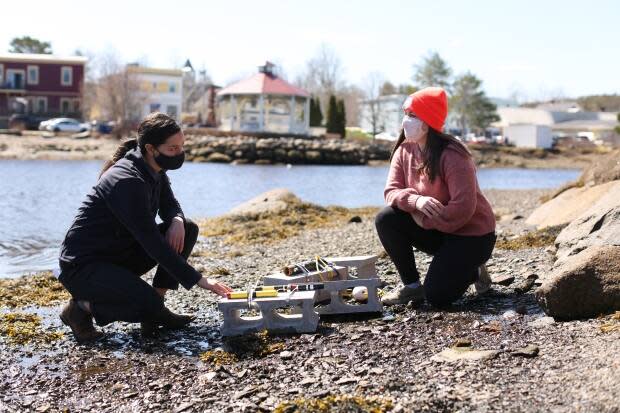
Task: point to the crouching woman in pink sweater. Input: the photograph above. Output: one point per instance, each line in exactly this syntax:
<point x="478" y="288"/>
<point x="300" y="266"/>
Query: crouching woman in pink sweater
<point x="435" y="205"/>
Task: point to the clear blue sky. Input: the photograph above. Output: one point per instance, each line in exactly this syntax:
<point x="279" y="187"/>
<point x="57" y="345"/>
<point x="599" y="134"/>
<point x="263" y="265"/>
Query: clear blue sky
<point x="536" y="48"/>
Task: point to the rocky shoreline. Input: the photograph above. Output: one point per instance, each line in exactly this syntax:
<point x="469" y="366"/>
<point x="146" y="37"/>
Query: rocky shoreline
<point x="519" y="359"/>
<point x="200" y="148"/>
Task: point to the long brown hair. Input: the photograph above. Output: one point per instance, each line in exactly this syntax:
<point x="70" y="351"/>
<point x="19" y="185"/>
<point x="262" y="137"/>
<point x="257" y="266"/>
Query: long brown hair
<point x="155" y="129"/>
<point x="436" y="142"/>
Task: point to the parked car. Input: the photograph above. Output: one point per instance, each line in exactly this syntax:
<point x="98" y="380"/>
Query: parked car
<point x="478" y="140"/>
<point x="103" y="127"/>
<point x="64" y="125"/>
<point x="22" y="121"/>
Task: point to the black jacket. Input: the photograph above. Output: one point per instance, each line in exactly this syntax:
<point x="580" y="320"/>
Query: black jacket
<point x="120" y="212"/>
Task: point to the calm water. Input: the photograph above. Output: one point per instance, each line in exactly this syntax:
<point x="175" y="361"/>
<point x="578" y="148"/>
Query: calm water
<point x="38" y="199"/>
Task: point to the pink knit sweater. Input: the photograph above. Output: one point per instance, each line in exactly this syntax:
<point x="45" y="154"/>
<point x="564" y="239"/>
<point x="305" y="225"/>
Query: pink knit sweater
<point x="466" y="210"/>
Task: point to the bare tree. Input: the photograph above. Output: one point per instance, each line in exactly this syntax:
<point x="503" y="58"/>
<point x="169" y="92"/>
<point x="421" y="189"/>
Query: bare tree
<point x="372" y="108"/>
<point x="118" y="94"/>
<point x="323" y="75"/>
<point x="352" y="95"/>
<point x="89" y="87"/>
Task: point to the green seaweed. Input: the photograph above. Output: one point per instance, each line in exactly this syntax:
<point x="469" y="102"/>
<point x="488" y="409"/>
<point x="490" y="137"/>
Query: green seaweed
<point x="269" y="227"/>
<point x="541" y="238"/>
<point x="336" y="403"/>
<point x="41" y="289"/>
<point x="24" y="328"/>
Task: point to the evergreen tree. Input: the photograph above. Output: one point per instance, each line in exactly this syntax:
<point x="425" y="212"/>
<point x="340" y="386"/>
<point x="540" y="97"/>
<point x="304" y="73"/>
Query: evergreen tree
<point x="316" y="117"/>
<point x="472" y="107"/>
<point x="433" y="71"/>
<point x="332" y="123"/>
<point x="342" y="119"/>
<point x="27" y="44"/>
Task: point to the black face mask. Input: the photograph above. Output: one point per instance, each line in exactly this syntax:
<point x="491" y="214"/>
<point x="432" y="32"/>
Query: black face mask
<point x="170" y="162"/>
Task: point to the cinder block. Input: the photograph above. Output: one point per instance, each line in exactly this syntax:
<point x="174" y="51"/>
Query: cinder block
<point x="305" y="320"/>
<point x="337" y="305"/>
<point x="365" y="264"/>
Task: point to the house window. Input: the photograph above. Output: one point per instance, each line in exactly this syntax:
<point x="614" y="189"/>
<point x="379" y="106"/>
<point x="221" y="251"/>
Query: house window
<point x="41" y="105"/>
<point x="172" y="111"/>
<point x="66" y="76"/>
<point x="65" y="105"/>
<point x="15" y="78"/>
<point x="154" y="107"/>
<point x="173" y="87"/>
<point x="33" y="75"/>
<point x="1" y="76"/>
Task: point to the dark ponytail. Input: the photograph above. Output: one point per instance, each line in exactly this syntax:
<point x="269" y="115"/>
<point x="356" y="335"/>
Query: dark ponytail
<point x="120" y="152"/>
<point x="155" y="129"/>
<point x="436" y="142"/>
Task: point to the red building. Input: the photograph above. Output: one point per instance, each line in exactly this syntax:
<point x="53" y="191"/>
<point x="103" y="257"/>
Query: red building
<point x="43" y="85"/>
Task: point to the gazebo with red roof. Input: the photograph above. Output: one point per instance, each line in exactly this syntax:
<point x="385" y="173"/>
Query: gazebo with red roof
<point x="264" y="103"/>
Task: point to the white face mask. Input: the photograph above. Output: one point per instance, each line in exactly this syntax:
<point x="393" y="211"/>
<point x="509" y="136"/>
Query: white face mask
<point x="414" y="128"/>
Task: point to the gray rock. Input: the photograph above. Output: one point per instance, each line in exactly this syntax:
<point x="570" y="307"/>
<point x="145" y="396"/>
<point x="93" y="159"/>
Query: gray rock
<point x="605" y="169"/>
<point x="218" y="158"/>
<point x="464" y="353"/>
<point x="568" y="205"/>
<point x="504" y="279"/>
<point x="528" y="351"/>
<point x="585" y="285"/>
<point x="313" y="156"/>
<point x="542" y="322"/>
<point x="599" y="225"/>
<point x="527" y="284"/>
<point x="271" y="201"/>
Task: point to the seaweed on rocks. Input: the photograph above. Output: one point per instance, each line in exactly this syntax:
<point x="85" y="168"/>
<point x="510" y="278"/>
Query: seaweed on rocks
<point x="336" y="403"/>
<point x="23" y="328"/>
<point x="273" y="226"/>
<point x="41" y="289"/>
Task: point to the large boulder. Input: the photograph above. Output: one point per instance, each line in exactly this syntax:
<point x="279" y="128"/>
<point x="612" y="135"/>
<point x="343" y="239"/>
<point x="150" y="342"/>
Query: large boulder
<point x="599" y="225"/>
<point x="275" y="201"/>
<point x="605" y="169"/>
<point x="218" y="157"/>
<point x="585" y="285"/>
<point x="569" y="205"/>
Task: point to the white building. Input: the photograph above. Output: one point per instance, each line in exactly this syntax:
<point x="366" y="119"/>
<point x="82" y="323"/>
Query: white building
<point x="387" y="112"/>
<point x="162" y="90"/>
<point x="264" y="103"/>
<point x="529" y="136"/>
<point x="571" y="122"/>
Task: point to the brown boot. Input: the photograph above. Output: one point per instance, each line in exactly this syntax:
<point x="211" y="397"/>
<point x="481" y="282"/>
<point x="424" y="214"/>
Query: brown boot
<point x="80" y="323"/>
<point x="167" y="319"/>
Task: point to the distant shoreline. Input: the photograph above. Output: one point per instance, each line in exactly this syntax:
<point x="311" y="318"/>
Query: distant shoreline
<point x="223" y="150"/>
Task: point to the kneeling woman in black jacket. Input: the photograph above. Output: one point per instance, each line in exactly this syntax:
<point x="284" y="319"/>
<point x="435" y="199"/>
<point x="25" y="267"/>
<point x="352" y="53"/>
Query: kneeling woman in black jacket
<point x="114" y="239"/>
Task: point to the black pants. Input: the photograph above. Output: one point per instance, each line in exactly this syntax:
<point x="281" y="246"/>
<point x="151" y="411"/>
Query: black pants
<point x="114" y="287"/>
<point x="455" y="258"/>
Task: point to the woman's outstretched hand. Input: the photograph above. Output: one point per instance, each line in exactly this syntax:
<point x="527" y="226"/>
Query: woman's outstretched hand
<point x="429" y="206"/>
<point x="175" y="235"/>
<point x="215" y="286"/>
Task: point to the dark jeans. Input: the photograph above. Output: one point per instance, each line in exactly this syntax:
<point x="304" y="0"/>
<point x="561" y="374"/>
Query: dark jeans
<point x="114" y="287"/>
<point x="455" y="262"/>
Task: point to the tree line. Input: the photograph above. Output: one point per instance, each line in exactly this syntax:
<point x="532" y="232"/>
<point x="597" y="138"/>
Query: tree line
<point x="331" y="95"/>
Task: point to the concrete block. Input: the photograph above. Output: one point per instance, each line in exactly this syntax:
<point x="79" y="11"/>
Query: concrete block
<point x="304" y="319"/>
<point x="337" y="305"/>
<point x="365" y="264"/>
